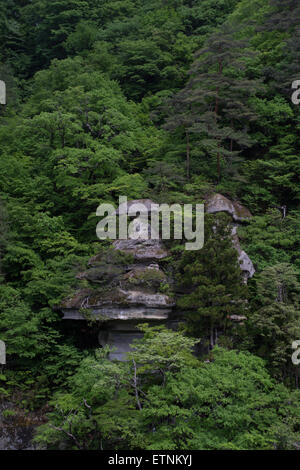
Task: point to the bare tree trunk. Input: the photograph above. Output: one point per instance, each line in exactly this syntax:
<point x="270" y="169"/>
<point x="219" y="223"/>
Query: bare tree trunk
<point x="216" y="117"/>
<point x="69" y="434"/>
<point x="211" y="337"/>
<point x="219" y="163"/>
<point x="135" y="386"/>
<point x="187" y="154"/>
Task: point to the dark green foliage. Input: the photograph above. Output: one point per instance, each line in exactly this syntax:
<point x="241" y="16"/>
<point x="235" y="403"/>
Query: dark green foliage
<point x="275" y="322"/>
<point x="212" y="281"/>
<point x="171" y="100"/>
<point x="214" y="103"/>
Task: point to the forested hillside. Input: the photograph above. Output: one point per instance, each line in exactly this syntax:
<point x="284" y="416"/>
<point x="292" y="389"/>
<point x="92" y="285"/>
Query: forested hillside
<point x="171" y="100"/>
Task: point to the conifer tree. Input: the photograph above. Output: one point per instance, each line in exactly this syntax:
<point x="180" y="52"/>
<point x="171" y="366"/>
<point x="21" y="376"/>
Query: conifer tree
<point x="213" y="282"/>
<point x="285" y="18"/>
<point x="214" y="104"/>
<point x="180" y="116"/>
<point x="275" y="324"/>
<point x="3" y="233"/>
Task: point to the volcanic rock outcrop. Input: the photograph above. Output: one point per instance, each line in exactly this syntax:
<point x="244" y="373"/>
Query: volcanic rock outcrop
<point x="246" y="264"/>
<point x="126" y="285"/>
<point x="218" y="203"/>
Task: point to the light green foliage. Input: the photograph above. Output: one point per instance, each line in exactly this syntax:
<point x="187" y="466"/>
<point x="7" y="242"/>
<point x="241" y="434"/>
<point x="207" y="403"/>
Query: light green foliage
<point x="162" y="350"/>
<point x="270" y="239"/>
<point x="229" y="402"/>
<point x="212" y="290"/>
<point x="20" y="327"/>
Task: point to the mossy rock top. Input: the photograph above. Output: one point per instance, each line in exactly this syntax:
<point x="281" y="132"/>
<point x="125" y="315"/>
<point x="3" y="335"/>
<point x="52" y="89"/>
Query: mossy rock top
<point x="145" y="276"/>
<point x="110" y="256"/>
<point x="102" y="273"/>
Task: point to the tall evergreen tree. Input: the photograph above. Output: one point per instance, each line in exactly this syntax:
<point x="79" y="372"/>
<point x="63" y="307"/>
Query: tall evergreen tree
<point x="284" y="17"/>
<point x="3" y="233"/>
<point x="275" y="324"/>
<point x="214" y="104"/>
<point x="213" y="281"/>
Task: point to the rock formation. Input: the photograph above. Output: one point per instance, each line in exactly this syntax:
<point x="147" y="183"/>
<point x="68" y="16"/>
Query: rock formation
<point x="239" y="213"/>
<point x="126" y="284"/>
<point x="219" y="203"/>
<point x="126" y="287"/>
<point x="245" y="262"/>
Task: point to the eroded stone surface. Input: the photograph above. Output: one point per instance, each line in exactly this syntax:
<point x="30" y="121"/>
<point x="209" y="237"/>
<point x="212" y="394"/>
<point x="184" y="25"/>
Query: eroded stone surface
<point x="103" y="314"/>
<point x="91" y="298"/>
<point x="110" y="256"/>
<point x="124" y="287"/>
<point x="145" y="276"/>
<point x="142" y="250"/>
<point x="245" y="262"/>
<point x="119" y="342"/>
<point x="130" y="292"/>
<point x="219" y="203"/>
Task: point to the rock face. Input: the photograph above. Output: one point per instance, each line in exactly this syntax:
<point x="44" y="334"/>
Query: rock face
<point x="119" y="335"/>
<point x="117" y="304"/>
<point x="245" y="262"/>
<point x="219" y="203"/>
<point x="142" y="250"/>
<point x="17" y="430"/>
<point x="126" y="285"/>
<point x="239" y="213"/>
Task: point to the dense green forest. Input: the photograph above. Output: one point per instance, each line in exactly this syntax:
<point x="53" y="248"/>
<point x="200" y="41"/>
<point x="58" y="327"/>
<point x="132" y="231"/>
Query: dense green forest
<point x="169" y="100"/>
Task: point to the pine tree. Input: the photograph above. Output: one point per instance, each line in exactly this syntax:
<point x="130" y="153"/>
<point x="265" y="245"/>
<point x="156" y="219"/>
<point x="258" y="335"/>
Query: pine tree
<point x="3" y="233"/>
<point x="180" y="116"/>
<point x="213" y="281"/>
<point x="284" y="15"/>
<point x="285" y="18"/>
<point x="214" y="104"/>
<point x="275" y="324"/>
